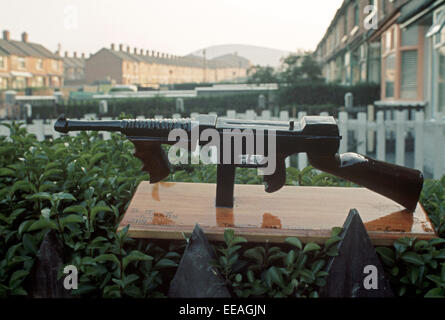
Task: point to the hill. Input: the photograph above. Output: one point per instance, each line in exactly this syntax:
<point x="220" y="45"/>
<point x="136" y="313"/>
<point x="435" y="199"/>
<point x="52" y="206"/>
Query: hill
<point x="255" y="54"/>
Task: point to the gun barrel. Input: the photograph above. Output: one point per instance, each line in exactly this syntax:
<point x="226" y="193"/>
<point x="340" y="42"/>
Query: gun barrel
<point x="130" y="127"/>
<point x="64" y="125"/>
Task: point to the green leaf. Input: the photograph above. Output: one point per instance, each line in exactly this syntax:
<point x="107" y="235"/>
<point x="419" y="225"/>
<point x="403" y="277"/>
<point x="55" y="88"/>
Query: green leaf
<point x="165" y="263"/>
<point x="51" y="172"/>
<point x="311" y="246"/>
<point x="294" y="241"/>
<point x="64" y="196"/>
<point x="413" y="274"/>
<point x="437" y="241"/>
<point x="22" y="185"/>
<point x="275" y="276"/>
<point x="107" y="257"/>
<point x="4" y="172"/>
<point x="72" y="218"/>
<point x="17" y="278"/>
<point x="237" y="240"/>
<point x="336" y="231"/>
<point x="135" y="256"/>
<point x="42" y="224"/>
<point x="290" y="258"/>
<point x="98" y="209"/>
<point x="76" y="209"/>
<point x="96" y="158"/>
<point x="331" y="241"/>
<point x="387" y="255"/>
<point x="228" y="235"/>
<point x="435" y="293"/>
<point x="29" y="243"/>
<point x="413" y="258"/>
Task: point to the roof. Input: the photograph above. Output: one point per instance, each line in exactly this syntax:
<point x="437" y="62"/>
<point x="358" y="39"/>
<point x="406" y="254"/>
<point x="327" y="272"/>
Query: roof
<point x="225" y="61"/>
<point x="74" y="62"/>
<point x="232" y="60"/>
<point x="25" y="49"/>
<point x="413" y="7"/>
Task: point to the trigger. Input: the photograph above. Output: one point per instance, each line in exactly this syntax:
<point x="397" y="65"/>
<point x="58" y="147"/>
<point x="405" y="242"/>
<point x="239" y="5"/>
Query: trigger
<point x="275" y="181"/>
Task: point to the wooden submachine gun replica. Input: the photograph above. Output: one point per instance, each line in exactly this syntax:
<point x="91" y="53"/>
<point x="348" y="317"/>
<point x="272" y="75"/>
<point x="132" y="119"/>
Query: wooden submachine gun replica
<point x="318" y="136"/>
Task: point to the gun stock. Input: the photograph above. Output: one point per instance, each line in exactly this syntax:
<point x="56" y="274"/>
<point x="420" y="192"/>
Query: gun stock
<point x="401" y="184"/>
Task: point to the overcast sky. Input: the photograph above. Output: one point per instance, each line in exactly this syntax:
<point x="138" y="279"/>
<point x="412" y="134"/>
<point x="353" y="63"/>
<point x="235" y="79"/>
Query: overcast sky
<point x="172" y="26"/>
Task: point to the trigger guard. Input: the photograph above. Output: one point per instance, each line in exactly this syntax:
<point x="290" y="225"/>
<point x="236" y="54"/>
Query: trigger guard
<point x="275" y="181"/>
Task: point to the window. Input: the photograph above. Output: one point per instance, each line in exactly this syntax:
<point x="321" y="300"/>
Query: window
<point x="2" y="62"/>
<point x="21" y="63"/>
<point x="55" y="65"/>
<point x="356" y="13"/>
<point x="400" y="63"/>
<point x="39" y="64"/>
<point x="441" y="83"/>
<point x="408" y="89"/>
<point x="3" y="83"/>
<point x="345" y="23"/>
<point x="39" y="83"/>
<point x="347" y="68"/>
<point x="439" y="66"/>
<point x="19" y="83"/>
<point x="410" y="36"/>
<point x="390" y="75"/>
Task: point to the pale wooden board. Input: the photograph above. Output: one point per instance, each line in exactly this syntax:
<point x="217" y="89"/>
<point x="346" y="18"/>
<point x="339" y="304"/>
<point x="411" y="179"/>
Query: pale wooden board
<point x="166" y="210"/>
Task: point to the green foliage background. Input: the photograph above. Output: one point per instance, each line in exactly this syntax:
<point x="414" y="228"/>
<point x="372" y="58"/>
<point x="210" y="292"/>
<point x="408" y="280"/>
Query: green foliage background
<point x="79" y="187"/>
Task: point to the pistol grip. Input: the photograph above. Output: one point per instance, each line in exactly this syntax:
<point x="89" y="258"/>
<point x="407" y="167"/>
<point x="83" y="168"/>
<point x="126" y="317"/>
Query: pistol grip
<point x="154" y="159"/>
<point x="275" y="181"/>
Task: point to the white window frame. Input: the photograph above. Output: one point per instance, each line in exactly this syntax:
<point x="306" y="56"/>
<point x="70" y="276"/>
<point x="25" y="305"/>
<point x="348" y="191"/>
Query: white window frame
<point x="39" y="64"/>
<point x="3" y="65"/>
<point x="21" y="60"/>
<point x="436" y="48"/>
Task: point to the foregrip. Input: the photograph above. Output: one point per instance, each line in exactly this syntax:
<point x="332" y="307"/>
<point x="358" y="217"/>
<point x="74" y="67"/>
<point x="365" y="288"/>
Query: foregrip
<point x="401" y="184"/>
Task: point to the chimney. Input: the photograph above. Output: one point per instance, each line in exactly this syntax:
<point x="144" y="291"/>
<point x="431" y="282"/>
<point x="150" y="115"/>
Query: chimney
<point x="121" y="47"/>
<point x="5" y="35"/>
<point x="83" y="55"/>
<point x="74" y="54"/>
<point x="152" y="53"/>
<point x="24" y="37"/>
<point x="128" y="49"/>
<point x="112" y="47"/>
<point x="147" y="52"/>
<point x="135" y="51"/>
<point x="141" y="52"/>
<point x="66" y="54"/>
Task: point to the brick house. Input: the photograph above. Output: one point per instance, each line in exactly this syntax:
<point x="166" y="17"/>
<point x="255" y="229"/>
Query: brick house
<point x="404" y="54"/>
<point x="149" y="68"/>
<point x="74" y="69"/>
<point x="24" y="64"/>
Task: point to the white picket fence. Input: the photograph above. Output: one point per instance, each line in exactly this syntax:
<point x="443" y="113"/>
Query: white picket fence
<point x="370" y="136"/>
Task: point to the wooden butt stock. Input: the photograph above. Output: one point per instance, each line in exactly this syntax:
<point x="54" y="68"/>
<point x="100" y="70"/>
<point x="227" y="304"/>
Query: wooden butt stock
<point x="401" y="184"/>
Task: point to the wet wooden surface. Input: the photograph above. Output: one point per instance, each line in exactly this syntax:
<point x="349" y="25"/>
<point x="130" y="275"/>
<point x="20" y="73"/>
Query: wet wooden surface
<point x="166" y="210"/>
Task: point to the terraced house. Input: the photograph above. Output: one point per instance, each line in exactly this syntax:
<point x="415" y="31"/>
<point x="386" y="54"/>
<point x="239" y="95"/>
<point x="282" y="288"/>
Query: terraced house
<point x="150" y="69"/>
<point x="74" y="69"/>
<point x="24" y="64"/>
<point x="404" y="51"/>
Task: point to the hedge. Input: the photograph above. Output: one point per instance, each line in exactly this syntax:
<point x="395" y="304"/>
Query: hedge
<point x="327" y="93"/>
<point x="312" y="98"/>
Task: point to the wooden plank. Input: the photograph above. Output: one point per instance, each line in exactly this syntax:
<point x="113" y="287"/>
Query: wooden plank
<point x="166" y="210"/>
